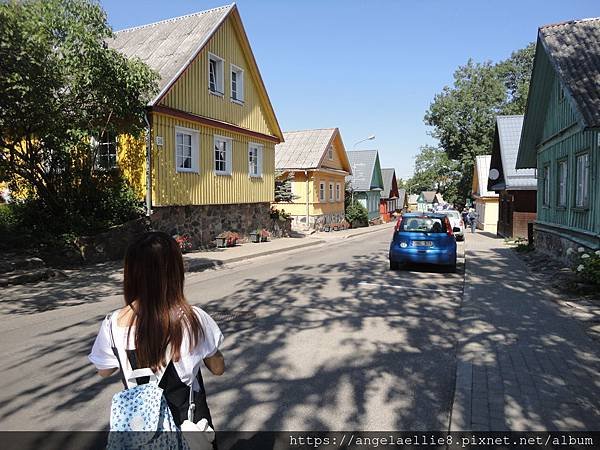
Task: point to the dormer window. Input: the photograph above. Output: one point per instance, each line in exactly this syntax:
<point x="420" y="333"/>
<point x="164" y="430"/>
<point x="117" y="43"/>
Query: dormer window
<point x="237" y="84"/>
<point x="330" y="153"/>
<point x="215" y="74"/>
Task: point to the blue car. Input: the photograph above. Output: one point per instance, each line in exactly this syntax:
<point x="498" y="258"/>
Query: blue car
<point x="423" y="238"/>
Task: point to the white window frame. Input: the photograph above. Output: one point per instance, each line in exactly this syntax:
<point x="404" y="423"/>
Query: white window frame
<point x="338" y="192"/>
<point x="220" y="75"/>
<point x="194" y="150"/>
<point x="239" y="97"/>
<point x="546" y="186"/>
<point x="228" y="154"/>
<point x="582" y="180"/>
<point x="330" y="153"/>
<point x="321" y="191"/>
<point x="562" y="178"/>
<point x="331" y="193"/>
<point x="106" y="144"/>
<point x="259" y="159"/>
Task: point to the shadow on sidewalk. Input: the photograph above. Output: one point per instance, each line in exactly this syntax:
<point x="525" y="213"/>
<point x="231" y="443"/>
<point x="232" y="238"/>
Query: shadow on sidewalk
<point x="533" y="366"/>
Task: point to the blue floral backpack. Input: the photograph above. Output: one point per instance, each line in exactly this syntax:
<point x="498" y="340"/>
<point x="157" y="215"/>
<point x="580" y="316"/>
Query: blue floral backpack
<point x="140" y="417"/>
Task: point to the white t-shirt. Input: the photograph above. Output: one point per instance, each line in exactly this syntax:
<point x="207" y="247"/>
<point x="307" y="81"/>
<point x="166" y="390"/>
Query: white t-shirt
<point x="188" y="365"/>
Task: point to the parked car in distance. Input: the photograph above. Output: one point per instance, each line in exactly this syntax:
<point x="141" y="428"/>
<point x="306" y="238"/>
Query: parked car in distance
<point x="423" y="238"/>
<point x="457" y="222"/>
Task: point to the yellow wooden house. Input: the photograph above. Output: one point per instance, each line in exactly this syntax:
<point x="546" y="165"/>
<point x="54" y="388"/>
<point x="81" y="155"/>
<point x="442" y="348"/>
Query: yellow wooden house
<point x="213" y="129"/>
<point x="317" y="164"/>
<point x="485" y="202"/>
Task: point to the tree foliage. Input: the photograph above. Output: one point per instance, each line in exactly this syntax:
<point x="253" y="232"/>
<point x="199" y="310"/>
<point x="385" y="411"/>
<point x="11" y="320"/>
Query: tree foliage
<point x="283" y="187"/>
<point x="435" y="171"/>
<point x="60" y="85"/>
<point x="463" y="115"/>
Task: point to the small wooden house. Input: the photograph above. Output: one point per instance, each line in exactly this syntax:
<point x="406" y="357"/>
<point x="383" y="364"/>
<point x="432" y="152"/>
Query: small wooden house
<point x="316" y="163"/>
<point x="366" y="181"/>
<point x="486" y="202"/>
<point x="412" y="202"/>
<point x="561" y="137"/>
<point x="390" y="195"/>
<point x="213" y="129"/>
<point x="429" y="200"/>
<point x="516" y="187"/>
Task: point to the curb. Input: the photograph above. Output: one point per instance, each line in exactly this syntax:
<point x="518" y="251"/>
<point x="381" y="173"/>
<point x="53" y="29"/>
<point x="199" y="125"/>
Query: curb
<point x="199" y="266"/>
<point x="460" y="410"/>
<point x="367" y="232"/>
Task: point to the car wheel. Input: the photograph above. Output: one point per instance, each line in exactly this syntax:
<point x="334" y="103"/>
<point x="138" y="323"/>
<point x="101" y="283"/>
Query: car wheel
<point x="452" y="268"/>
<point x="394" y="265"/>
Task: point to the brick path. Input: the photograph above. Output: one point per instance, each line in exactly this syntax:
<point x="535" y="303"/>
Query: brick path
<point x="523" y="363"/>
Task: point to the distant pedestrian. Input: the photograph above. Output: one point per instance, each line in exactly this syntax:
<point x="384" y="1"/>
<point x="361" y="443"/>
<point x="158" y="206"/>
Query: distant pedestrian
<point x="159" y="332"/>
<point x="465" y="217"/>
<point x="473" y="220"/>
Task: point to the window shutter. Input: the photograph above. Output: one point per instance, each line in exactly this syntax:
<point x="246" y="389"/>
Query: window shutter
<point x="229" y="156"/>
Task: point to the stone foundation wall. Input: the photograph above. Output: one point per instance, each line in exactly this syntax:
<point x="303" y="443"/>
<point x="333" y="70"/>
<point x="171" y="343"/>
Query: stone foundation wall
<point x="204" y="222"/>
<point x="318" y="221"/>
<point x="556" y="244"/>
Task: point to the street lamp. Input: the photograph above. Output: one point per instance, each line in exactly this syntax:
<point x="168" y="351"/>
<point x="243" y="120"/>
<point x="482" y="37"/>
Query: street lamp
<point x="370" y="138"/>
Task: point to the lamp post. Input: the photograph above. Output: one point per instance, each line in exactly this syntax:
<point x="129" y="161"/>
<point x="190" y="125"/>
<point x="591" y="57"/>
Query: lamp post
<point x="370" y="138"/>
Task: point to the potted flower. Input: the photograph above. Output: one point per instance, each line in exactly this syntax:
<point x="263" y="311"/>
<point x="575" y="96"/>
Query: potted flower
<point x="264" y="235"/>
<point x="227" y="239"/>
<point x="184" y="242"/>
<point x="255" y="236"/>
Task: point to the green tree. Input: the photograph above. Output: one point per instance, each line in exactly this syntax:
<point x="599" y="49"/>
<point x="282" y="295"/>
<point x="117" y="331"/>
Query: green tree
<point x="60" y="85"/>
<point x="515" y="72"/>
<point x="434" y="171"/>
<point x="462" y="116"/>
<point x="283" y="187"/>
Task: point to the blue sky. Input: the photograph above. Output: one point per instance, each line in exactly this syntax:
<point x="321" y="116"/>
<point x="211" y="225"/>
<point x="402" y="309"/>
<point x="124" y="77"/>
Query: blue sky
<point x="368" y="67"/>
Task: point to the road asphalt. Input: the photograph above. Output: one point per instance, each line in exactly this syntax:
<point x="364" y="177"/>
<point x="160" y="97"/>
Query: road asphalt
<point x="324" y="337"/>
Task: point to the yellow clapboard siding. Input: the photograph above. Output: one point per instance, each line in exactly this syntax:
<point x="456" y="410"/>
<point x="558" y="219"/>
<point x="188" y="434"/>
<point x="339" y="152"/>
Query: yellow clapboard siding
<point x="206" y="187"/>
<point x="191" y="94"/>
<point x="131" y="159"/>
<point x="315" y="207"/>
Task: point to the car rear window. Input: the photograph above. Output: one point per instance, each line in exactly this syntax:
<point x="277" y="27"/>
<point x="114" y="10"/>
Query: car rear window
<point x="423" y="225"/>
<point x="453" y="214"/>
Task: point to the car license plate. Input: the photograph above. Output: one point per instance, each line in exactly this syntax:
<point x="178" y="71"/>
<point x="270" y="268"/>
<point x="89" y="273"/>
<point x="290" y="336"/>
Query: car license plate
<point x="422" y="243"/>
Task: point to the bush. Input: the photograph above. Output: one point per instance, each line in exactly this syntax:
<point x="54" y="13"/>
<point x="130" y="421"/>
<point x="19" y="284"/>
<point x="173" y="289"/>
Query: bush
<point x="356" y="212"/>
<point x="587" y="264"/>
<point x="8" y="220"/>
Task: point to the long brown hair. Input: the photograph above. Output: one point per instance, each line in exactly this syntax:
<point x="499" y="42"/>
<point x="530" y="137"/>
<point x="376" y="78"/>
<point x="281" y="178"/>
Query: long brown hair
<point x="153" y="279"/>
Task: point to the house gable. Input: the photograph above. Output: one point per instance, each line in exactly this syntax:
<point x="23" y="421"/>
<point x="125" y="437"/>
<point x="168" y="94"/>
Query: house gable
<point x="376" y="178"/>
<point x="340" y="158"/>
<point x="190" y="92"/>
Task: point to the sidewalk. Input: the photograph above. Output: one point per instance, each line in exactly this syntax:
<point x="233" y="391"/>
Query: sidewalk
<point x="197" y="261"/>
<point x="523" y="363"/>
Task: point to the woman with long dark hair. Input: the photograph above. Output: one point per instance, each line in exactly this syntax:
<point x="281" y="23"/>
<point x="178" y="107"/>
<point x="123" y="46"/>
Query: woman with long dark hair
<point x="159" y="329"/>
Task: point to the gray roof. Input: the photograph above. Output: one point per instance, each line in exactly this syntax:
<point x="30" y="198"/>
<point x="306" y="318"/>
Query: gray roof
<point x="508" y="129"/>
<point x="574" y="51"/>
<point x="401" y="196"/>
<point x="428" y="196"/>
<point x="363" y="164"/>
<point x="388" y="176"/>
<point x="170" y="45"/>
<point x="482" y="166"/>
<point x="303" y="149"/>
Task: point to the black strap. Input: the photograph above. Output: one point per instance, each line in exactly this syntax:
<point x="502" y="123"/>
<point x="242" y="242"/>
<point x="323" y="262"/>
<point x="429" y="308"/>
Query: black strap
<point x="113" y="346"/>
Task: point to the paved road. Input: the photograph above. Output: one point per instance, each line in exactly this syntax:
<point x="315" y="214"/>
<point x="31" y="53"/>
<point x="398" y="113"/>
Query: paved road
<point x="320" y="338"/>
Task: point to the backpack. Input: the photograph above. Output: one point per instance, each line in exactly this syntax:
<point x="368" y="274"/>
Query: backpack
<point x="140" y="417"/>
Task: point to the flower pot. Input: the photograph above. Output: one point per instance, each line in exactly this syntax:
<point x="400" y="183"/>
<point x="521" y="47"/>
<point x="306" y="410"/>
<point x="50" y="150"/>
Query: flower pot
<point x="221" y="242"/>
<point x="255" y="237"/>
<point x="264" y="239"/>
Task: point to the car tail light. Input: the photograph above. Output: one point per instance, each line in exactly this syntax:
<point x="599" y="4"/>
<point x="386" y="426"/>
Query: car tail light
<point x="397" y="227"/>
<point x="448" y="227"/>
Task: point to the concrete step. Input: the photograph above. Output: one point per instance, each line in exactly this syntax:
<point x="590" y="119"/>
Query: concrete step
<point x="30" y="276"/>
<point x="8" y="264"/>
